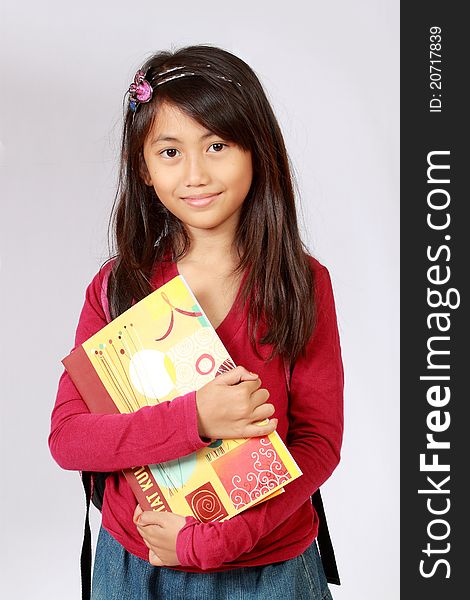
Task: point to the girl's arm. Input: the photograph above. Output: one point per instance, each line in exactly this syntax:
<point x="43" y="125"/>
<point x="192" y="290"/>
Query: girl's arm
<point x="314" y="440"/>
<point x="83" y="441"/>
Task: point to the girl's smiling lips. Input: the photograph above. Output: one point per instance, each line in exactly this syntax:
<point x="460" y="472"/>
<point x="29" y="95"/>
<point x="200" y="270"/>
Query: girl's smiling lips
<point x="200" y="199"/>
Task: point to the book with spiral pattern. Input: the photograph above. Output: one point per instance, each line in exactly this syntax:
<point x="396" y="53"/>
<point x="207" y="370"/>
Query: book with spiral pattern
<point x="163" y="347"/>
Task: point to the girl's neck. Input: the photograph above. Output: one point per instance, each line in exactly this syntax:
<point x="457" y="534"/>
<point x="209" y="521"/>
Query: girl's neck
<point x="212" y="248"/>
<point x="212" y="256"/>
<point x="210" y="261"/>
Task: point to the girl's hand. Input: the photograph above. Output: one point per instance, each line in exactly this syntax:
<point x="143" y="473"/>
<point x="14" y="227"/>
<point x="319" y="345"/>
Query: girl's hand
<point x="159" y="531"/>
<point x="233" y="405"/>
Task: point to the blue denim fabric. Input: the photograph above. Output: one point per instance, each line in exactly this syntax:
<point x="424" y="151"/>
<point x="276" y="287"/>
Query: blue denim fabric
<point x="119" y="575"/>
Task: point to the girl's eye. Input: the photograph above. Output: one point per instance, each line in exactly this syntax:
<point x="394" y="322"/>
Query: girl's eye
<point x="219" y="145"/>
<point x="169" y="150"/>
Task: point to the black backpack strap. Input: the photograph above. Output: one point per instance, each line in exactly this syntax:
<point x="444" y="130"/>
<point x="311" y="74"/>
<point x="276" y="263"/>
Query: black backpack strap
<point x="324" y="542"/>
<point x="85" y="559"/>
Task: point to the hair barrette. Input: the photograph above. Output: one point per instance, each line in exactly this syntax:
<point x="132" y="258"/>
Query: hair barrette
<point x="140" y="91"/>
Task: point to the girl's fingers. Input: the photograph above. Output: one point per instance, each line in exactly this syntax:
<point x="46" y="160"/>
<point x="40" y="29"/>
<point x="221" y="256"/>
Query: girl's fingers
<point x="138" y="511"/>
<point x="149" y="518"/>
<point x="151" y="534"/>
<point x="154" y="559"/>
<point x="146" y="543"/>
<point x="151" y="545"/>
<point x="254" y="430"/>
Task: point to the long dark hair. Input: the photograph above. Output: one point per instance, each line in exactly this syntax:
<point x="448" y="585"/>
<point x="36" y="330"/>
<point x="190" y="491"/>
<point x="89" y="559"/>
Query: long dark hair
<point x="280" y="282"/>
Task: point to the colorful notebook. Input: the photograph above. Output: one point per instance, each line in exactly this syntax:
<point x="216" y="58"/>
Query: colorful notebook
<point x="163" y="347"/>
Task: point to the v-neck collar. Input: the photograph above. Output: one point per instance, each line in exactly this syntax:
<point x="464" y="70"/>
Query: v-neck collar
<point x="235" y="317"/>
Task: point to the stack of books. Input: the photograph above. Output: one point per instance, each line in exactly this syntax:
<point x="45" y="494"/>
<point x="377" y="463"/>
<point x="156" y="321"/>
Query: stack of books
<point x="163" y="347"/>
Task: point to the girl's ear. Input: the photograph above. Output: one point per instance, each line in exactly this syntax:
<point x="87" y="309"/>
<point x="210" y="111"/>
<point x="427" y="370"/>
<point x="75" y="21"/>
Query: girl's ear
<point x="144" y="172"/>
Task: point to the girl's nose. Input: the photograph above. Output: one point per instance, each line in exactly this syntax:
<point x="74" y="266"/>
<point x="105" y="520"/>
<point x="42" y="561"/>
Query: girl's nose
<point x="196" y="172"/>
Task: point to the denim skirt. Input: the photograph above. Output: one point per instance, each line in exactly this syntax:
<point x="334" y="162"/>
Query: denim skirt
<point x="119" y="575"/>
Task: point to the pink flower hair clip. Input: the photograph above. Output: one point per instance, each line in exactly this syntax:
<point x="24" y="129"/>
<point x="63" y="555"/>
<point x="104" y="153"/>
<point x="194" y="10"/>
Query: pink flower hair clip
<point x="140" y="91"/>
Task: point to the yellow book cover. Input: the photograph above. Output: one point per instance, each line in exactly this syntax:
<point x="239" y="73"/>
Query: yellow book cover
<point x="163" y="347"/>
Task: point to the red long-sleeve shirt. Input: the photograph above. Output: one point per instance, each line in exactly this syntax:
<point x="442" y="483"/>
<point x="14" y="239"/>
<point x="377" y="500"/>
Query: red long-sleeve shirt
<point x="311" y="425"/>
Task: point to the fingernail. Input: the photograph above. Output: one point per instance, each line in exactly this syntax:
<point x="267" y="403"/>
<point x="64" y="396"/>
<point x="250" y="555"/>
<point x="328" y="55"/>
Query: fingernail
<point x="255" y="374"/>
<point x="263" y="423"/>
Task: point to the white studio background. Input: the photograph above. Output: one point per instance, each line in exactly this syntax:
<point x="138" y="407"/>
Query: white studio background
<point x="331" y="71"/>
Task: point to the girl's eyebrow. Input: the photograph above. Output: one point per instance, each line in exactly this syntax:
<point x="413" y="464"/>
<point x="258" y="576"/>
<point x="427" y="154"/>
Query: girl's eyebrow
<point x="169" y="138"/>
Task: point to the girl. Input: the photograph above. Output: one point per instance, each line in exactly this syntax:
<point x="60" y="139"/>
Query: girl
<point x="205" y="191"/>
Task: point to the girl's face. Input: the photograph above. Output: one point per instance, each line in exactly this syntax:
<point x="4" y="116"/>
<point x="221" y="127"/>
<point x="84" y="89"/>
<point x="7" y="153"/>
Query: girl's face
<point x="184" y="161"/>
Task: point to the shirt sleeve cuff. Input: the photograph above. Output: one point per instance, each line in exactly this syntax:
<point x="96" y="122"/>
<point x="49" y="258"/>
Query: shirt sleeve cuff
<point x="209" y="545"/>
<point x="184" y="541"/>
<point x="190" y="412"/>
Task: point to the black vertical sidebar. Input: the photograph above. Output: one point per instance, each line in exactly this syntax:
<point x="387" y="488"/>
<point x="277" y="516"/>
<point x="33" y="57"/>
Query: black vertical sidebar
<point x="435" y="269"/>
